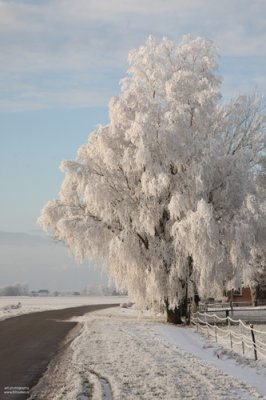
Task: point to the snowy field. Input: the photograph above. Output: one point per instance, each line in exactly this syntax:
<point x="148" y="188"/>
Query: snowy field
<point x="19" y="305"/>
<point x="120" y="355"/>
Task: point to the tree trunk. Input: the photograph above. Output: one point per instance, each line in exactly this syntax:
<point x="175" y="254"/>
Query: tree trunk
<point x="173" y="316"/>
<point x="254" y="295"/>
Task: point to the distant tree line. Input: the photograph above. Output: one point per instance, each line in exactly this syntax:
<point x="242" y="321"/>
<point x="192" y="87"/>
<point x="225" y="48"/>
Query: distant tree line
<point x="17" y="289"/>
<point x="101" y="290"/>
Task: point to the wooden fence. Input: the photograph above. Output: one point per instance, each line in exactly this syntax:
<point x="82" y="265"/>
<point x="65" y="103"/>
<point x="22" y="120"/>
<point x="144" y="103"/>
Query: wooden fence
<point x="223" y="329"/>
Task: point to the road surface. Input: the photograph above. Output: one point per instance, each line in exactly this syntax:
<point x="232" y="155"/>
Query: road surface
<point x="27" y="345"/>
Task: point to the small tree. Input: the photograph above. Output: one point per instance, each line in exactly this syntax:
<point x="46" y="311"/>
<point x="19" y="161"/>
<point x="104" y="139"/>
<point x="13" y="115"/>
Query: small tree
<point x="156" y="194"/>
<point x="17" y="289"/>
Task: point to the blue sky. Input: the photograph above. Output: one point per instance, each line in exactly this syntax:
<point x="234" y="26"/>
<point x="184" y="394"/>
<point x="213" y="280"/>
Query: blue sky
<point x="61" y="62"/>
<point x="33" y="144"/>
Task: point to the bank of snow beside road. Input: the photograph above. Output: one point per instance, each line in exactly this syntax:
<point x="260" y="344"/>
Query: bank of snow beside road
<point x="140" y="359"/>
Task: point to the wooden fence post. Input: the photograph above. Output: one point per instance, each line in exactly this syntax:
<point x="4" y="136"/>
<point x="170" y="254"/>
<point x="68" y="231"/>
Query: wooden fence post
<point x="242" y="339"/>
<point x="230" y="333"/>
<point x="254" y="342"/>
<point x="215" y="328"/>
<point x="231" y="340"/>
<point x="197" y="321"/>
<point x="206" y="323"/>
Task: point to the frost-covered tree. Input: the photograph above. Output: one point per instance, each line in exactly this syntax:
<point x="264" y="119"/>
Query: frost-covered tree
<point x="18" y="289"/>
<point x="249" y="248"/>
<point x="159" y="195"/>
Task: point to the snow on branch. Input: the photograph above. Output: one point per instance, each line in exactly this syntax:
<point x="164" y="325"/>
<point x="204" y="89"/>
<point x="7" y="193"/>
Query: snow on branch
<point x="175" y="176"/>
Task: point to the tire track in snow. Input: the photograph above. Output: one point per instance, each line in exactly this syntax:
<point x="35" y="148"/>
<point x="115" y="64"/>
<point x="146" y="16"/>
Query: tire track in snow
<point x="105" y="385"/>
<point x="87" y="388"/>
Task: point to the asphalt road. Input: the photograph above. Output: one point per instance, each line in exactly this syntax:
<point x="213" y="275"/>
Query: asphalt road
<point x="27" y="345"/>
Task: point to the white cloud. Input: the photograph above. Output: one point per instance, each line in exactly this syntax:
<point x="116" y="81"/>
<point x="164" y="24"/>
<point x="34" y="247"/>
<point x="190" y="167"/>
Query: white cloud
<point x="36" y="100"/>
<point x="50" y="43"/>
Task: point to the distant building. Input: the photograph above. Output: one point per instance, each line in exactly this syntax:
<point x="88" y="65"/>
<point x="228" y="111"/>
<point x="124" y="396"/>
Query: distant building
<point x="244" y="296"/>
<point x="43" y="292"/>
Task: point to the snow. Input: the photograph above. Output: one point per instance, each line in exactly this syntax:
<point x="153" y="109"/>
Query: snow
<point x="12" y="306"/>
<point x="194" y="343"/>
<point x="121" y="354"/>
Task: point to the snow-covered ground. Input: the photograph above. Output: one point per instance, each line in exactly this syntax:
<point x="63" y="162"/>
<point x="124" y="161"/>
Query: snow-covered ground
<point x="19" y="305"/>
<point x="119" y="355"/>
